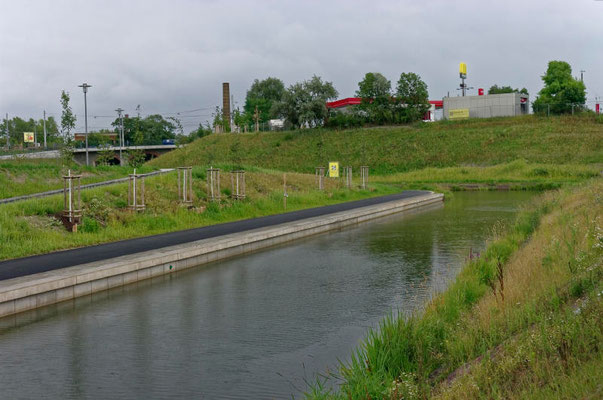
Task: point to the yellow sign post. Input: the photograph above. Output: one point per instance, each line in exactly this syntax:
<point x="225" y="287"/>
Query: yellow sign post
<point x="459" y="113"/>
<point x="463" y="70"/>
<point x="334" y="169"/>
<point x="28" y="137"/>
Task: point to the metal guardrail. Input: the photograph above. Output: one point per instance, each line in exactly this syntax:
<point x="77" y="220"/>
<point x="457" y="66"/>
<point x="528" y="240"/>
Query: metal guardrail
<point x="88" y="186"/>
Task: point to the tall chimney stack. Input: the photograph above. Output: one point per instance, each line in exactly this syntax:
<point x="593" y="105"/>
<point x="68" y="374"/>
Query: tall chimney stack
<point x="226" y="105"/>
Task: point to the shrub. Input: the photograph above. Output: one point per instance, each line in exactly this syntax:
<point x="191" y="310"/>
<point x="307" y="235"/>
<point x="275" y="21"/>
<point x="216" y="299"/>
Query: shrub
<point x="135" y="158"/>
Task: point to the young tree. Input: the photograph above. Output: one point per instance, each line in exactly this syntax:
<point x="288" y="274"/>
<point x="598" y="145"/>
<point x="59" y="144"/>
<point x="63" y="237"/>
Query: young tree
<point x="220" y="121"/>
<point x="561" y="91"/>
<point x="67" y="117"/>
<point x="375" y="92"/>
<point x="304" y="103"/>
<point x="201" y="131"/>
<point x="412" y="96"/>
<point x="263" y="95"/>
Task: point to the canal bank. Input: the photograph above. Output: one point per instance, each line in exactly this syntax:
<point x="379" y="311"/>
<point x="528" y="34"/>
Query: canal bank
<point x="54" y="285"/>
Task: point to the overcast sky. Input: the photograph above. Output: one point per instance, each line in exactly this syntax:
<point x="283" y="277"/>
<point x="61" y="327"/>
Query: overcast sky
<point x="171" y="56"/>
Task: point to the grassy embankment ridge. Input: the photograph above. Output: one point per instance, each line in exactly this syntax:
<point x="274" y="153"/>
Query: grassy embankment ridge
<point x="30" y="227"/>
<point x="556" y="149"/>
<point x="525" y="320"/>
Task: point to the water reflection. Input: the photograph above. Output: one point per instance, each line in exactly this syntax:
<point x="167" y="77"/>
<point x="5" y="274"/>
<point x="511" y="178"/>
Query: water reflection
<point x="251" y="327"/>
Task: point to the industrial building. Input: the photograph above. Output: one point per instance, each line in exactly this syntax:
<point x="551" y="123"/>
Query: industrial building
<point x="492" y="105"/>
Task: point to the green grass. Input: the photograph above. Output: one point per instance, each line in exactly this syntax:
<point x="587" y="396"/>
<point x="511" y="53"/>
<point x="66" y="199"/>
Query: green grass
<point x="389" y="150"/>
<point x="27" y="176"/>
<point x="517" y="174"/>
<point x="30" y="227"/>
<point x="523" y="321"/>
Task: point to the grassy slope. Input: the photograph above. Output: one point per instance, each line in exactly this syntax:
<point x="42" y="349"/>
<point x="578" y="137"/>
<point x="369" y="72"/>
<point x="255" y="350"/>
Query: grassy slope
<point x="534" y="331"/>
<point x="515" y="174"/>
<point x="26" y="176"/>
<point x="387" y="150"/>
<point x="29" y="227"/>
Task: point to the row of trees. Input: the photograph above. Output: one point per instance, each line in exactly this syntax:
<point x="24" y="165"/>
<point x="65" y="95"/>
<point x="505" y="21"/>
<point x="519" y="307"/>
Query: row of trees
<point x="495" y="89"/>
<point x="149" y="130"/>
<point x="303" y="104"/>
<point x="152" y="129"/>
<point x="380" y="104"/>
<point x="16" y="126"/>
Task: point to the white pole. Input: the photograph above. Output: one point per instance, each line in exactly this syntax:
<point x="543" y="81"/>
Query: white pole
<point x="134" y="190"/>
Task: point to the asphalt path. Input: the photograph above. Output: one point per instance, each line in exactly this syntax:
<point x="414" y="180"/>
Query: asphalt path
<point x="48" y="262"/>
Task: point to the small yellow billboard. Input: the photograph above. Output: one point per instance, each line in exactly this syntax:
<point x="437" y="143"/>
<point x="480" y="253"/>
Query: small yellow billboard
<point x="459" y="113"/>
<point x="463" y="70"/>
<point x="28" y="137"/>
<point x="334" y="169"/>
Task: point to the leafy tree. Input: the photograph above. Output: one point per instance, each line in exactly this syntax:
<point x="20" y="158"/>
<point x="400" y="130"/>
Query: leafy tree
<point x="263" y="95"/>
<point x="99" y="139"/>
<point x="219" y="120"/>
<point x="67" y="117"/>
<point x="146" y="131"/>
<point x="304" y="103"/>
<point x="135" y="158"/>
<point x="412" y="96"/>
<point x="374" y="86"/>
<point x="495" y="89"/>
<point x="375" y="91"/>
<point x="240" y="119"/>
<point x="105" y="157"/>
<point x="201" y="131"/>
<point x="561" y="90"/>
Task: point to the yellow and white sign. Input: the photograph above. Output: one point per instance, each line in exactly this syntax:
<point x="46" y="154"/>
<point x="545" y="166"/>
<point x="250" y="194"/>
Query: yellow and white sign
<point x="463" y="70"/>
<point x="459" y="113"/>
<point x="28" y="137"/>
<point x="334" y="169"/>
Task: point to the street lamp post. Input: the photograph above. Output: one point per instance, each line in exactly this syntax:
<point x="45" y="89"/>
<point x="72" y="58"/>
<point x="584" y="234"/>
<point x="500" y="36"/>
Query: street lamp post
<point x="121" y="134"/>
<point x="85" y="87"/>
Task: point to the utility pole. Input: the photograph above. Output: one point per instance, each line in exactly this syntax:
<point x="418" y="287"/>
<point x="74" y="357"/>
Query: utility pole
<point x="232" y="111"/>
<point x="138" y="110"/>
<point x="85" y="87"/>
<point x="44" y="128"/>
<point x="121" y="134"/>
<point x="582" y="75"/>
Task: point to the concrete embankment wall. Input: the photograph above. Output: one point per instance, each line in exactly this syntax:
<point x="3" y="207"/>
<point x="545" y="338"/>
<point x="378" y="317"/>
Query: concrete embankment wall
<point x="39" y="290"/>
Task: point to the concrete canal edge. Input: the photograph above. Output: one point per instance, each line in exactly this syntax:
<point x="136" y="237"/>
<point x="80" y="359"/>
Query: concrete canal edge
<point x="46" y="288"/>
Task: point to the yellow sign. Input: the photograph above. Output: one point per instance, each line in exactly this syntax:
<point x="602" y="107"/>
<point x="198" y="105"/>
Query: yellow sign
<point x="463" y="69"/>
<point x="459" y="113"/>
<point x="28" y="137"/>
<point x="334" y="169"/>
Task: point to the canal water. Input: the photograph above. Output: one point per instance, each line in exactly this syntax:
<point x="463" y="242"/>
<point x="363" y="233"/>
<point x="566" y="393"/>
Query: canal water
<point x="254" y="327"/>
